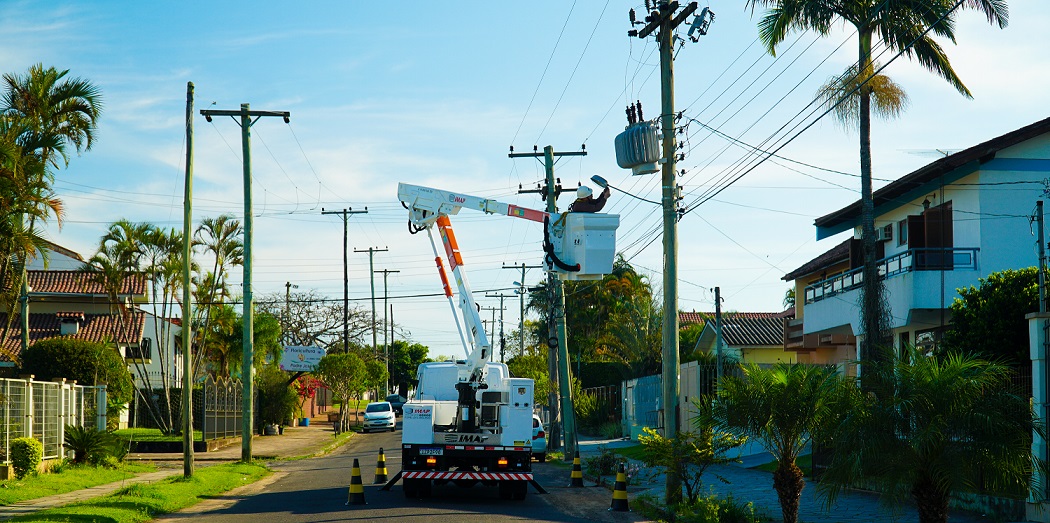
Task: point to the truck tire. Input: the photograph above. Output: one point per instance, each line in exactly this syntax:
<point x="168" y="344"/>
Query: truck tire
<point x="411" y="487"/>
<point x="541" y="457"/>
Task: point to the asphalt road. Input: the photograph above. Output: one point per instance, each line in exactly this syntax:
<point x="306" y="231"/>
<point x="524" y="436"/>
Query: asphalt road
<point x="316" y="490"/>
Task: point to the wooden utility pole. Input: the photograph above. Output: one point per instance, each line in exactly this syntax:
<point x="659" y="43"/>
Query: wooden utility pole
<point x="558" y="361"/>
<point x="372" y="278"/>
<point x="247" y="119"/>
<point x="345" y="213"/>
<point x="663" y="20"/>
<point x="187" y="304"/>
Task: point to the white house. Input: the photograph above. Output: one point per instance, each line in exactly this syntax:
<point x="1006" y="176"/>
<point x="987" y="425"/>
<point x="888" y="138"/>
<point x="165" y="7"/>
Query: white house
<point x="939" y="228"/>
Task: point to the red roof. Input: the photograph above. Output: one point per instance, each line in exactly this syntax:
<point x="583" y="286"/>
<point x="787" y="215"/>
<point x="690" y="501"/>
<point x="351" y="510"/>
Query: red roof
<point x="78" y="282"/>
<point x="704" y="317"/>
<point x="95" y="327"/>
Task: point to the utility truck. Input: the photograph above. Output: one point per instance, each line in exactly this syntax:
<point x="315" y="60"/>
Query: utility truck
<point x="469" y="422"/>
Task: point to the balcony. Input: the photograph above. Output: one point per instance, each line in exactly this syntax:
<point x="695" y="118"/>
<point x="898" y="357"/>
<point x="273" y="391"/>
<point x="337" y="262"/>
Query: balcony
<point x="912" y="260"/>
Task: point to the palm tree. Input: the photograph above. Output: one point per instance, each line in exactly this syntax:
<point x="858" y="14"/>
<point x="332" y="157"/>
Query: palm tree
<point x="783" y="407"/>
<point x="901" y="26"/>
<point x="221" y="237"/>
<point x="950" y="422"/>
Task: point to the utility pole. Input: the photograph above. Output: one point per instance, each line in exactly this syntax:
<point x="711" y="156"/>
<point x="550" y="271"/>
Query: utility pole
<point x="288" y="286"/>
<point x="187" y="305"/>
<point x="1041" y="276"/>
<point x="520" y="291"/>
<point x="345" y="213"/>
<point x="718" y="336"/>
<point x="386" y="340"/>
<point x="247" y="120"/>
<point x="663" y="20"/>
<point x="559" y="362"/>
<point x="372" y="278"/>
<point x="491" y="323"/>
<point x="502" y="341"/>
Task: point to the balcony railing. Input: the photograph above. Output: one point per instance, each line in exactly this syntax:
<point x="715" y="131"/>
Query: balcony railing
<point x="907" y="261"/>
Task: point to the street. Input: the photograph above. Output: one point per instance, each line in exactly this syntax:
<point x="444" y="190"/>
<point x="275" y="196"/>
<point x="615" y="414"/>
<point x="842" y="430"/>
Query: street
<point x="316" y="490"/>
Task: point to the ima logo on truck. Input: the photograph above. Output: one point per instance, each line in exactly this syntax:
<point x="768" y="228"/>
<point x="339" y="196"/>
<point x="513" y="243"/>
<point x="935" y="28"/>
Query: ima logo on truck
<point x="464" y="438"/>
<point x="456" y="199"/>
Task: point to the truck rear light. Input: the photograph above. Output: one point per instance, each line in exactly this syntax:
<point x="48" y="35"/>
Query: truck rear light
<point x="502" y="462"/>
<point x="431" y="461"/>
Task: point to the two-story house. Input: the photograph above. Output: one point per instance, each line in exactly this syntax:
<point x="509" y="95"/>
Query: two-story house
<point x="939" y="228"/>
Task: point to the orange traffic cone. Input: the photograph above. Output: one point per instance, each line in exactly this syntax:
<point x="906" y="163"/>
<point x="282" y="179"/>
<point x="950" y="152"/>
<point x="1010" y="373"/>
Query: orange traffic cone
<point x="357" y="490"/>
<point x="577" y="472"/>
<point x="380" y="468"/>
<point x="619" y="499"/>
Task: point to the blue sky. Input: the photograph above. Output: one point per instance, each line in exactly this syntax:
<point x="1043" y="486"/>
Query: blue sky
<point x="434" y="93"/>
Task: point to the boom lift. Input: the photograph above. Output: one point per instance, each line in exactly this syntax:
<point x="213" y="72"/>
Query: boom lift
<point x="469" y="422"/>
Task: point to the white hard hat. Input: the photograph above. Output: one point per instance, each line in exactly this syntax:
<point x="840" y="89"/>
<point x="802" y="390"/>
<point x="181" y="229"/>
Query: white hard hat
<point x="584" y="192"/>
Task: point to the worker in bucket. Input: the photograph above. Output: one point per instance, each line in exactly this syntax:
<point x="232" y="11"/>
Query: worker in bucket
<point x="586" y="202"/>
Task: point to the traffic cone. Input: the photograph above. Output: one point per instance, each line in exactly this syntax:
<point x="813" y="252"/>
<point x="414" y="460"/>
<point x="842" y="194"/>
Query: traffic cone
<point x="381" y="468"/>
<point x="357" y="490"/>
<point x="577" y="472"/>
<point x="619" y="499"/>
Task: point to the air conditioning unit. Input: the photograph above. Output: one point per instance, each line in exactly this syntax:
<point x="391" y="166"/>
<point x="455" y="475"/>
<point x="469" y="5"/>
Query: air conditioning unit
<point x="884" y="234"/>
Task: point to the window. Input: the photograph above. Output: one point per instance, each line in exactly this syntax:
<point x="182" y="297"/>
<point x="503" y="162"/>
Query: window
<point x="902" y="232"/>
<point x="142" y="352"/>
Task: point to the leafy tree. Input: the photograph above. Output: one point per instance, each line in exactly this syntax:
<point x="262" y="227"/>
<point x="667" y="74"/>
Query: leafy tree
<point x="375" y="376"/>
<point x="900" y="27"/>
<point x="782" y="407"/>
<point x="277" y="401"/>
<point x="989" y="320"/>
<point x="951" y="421"/>
<point x="405" y="358"/>
<point x="220" y="238"/>
<point x="86" y="362"/>
<point x="633" y="336"/>
<point x="344" y="375"/>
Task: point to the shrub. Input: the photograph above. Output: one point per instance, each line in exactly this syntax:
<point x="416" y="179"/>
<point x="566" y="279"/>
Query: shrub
<point x="604" y="464"/>
<point x="83" y="361"/>
<point x="277" y="400"/>
<point x="610" y="430"/>
<point x="711" y="509"/>
<point x="26" y="455"/>
<point x="87" y="445"/>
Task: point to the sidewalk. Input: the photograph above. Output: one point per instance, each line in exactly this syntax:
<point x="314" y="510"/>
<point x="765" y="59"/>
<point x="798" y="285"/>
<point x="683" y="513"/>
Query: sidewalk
<point x="296" y="441"/>
<point x="747" y="484"/>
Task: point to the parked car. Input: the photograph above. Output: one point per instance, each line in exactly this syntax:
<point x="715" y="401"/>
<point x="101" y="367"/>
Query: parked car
<point x="379" y="415"/>
<point x="539" y="440"/>
<point x="398" y="402"/>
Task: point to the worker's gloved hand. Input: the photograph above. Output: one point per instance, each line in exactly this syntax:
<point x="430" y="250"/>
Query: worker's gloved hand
<point x="606" y="193"/>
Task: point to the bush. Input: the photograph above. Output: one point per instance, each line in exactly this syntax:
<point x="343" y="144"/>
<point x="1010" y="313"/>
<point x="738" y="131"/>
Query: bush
<point x="604" y="464"/>
<point x="91" y="446"/>
<point x="711" y="509"/>
<point x="26" y="455"/>
<point x="610" y="430"/>
<point x="277" y="400"/>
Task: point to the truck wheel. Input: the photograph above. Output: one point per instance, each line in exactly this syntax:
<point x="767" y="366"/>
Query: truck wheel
<point x="425" y="488"/>
<point x="411" y="487"/>
<point x="520" y="489"/>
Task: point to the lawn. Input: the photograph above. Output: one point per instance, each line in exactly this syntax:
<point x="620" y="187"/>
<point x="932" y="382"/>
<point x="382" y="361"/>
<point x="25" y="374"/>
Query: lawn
<point x="152" y="435"/>
<point x="144" y="501"/>
<point x="68" y="479"/>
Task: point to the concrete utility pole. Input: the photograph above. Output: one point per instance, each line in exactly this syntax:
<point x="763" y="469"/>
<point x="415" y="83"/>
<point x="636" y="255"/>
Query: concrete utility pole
<point x="345" y="213"/>
<point x="520" y="291"/>
<point x="664" y="20"/>
<point x="502" y="341"/>
<point x="1041" y="276"/>
<point x="247" y="120"/>
<point x="559" y="363"/>
<point x="718" y="335"/>
<point x="372" y="278"/>
<point x="187" y="305"/>
<point x="386" y="339"/>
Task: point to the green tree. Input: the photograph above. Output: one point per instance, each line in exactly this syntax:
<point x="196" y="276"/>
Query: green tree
<point x="86" y="362"/>
<point x="221" y="239"/>
<point x="951" y="421"/>
<point x="989" y="320"/>
<point x="689" y="454"/>
<point x="405" y="358"/>
<point x="633" y="336"/>
<point x="900" y="26"/>
<point x="375" y="376"/>
<point x="42" y="113"/>
<point x="277" y="401"/>
<point x="344" y="375"/>
<point x="782" y="407"/>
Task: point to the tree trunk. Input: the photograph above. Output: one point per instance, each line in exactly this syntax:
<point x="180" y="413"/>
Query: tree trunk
<point x="931" y="502"/>
<point x="788" y="482"/>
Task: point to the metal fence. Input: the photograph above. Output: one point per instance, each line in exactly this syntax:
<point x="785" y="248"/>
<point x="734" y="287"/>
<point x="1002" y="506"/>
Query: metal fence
<point x="42" y="409"/>
<point x="222" y="408"/>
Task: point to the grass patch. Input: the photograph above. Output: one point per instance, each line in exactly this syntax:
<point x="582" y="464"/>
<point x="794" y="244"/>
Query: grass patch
<point x="67" y="479"/>
<point x="142" y="502"/>
<point x="153" y="435"/>
<point x="804" y="462"/>
<point x="635" y="452"/>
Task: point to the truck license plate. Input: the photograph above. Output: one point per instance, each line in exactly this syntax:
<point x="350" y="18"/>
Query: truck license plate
<point x="431" y="451"/>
